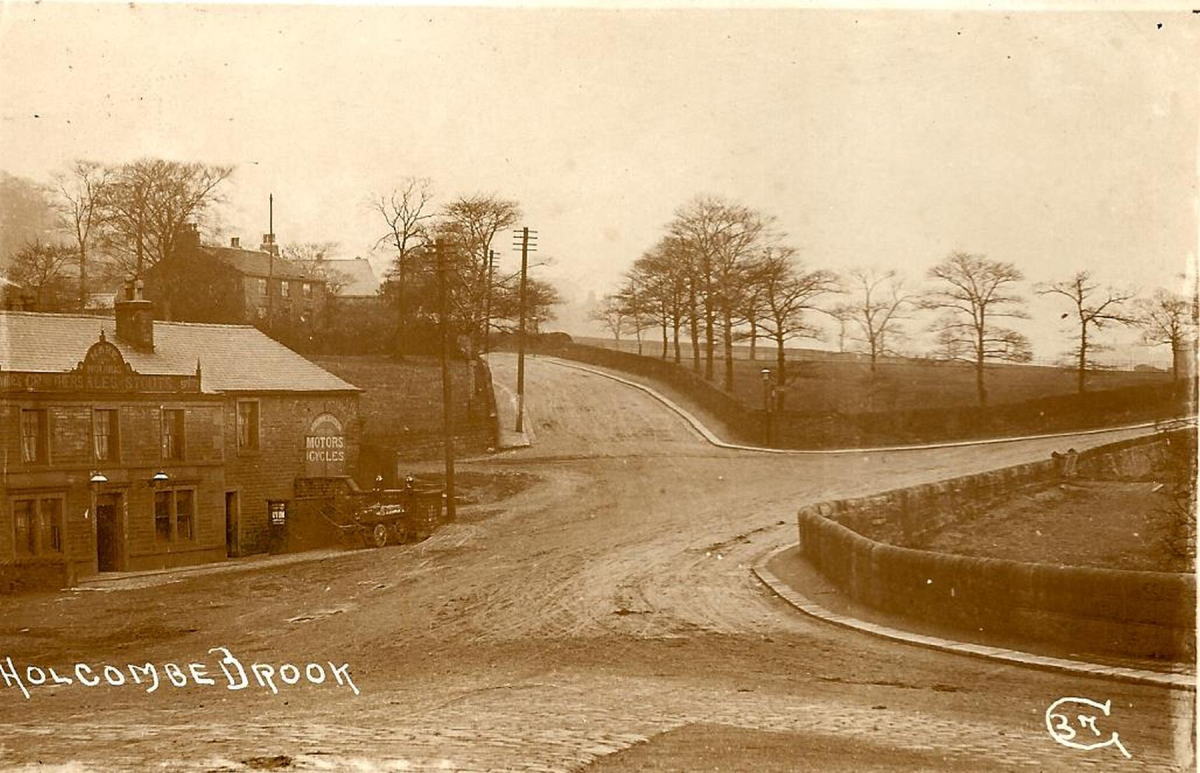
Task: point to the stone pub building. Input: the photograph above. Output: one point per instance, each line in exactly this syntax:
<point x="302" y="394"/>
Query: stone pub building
<point x="130" y="444"/>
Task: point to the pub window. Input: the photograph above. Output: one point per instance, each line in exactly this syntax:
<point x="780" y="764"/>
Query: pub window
<point x="162" y="515"/>
<point x="172" y="433"/>
<point x="247" y="425"/>
<point x="175" y="515"/>
<point x="34" y="434"/>
<point x="105" y="435"/>
<point x="285" y="288"/>
<point x="262" y="286"/>
<point x="38" y="526"/>
<point x="185" y="514"/>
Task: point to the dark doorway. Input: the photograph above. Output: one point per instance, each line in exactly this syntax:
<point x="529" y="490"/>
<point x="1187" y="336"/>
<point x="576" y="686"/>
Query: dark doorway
<point x="231" y="523"/>
<point x="108" y="533"/>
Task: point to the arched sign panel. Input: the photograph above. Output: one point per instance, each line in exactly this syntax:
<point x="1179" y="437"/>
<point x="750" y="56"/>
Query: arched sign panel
<point x="325" y="448"/>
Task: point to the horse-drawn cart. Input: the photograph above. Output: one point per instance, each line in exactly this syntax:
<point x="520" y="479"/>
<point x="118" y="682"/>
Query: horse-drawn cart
<point x="388" y="516"/>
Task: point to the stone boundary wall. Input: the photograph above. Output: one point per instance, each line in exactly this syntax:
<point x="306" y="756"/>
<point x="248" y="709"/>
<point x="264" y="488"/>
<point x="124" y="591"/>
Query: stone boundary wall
<point x="1106" y="611"/>
<point x="815" y="431"/>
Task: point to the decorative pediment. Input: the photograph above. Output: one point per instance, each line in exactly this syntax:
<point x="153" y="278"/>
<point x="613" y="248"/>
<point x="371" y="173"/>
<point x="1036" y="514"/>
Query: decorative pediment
<point x="104" y="359"/>
<point x="102" y="369"/>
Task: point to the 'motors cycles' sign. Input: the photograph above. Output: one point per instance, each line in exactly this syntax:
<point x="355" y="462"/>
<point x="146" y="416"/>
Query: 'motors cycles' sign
<point x="325" y="448"/>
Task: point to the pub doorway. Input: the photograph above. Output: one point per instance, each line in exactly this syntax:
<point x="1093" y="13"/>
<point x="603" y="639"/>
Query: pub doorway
<point x="231" y="524"/>
<point x="110" y="533"/>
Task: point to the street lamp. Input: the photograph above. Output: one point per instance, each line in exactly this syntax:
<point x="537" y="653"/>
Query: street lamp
<point x="766" y="377"/>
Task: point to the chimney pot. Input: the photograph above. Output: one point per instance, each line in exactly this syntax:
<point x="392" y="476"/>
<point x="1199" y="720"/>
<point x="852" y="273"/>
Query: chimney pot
<point x="235" y="241"/>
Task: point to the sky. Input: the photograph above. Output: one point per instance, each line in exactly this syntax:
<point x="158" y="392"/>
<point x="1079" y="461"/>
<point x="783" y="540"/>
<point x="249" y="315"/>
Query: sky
<point x="1056" y="141"/>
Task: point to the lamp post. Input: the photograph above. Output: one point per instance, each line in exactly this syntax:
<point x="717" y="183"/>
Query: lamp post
<point x="766" y="379"/>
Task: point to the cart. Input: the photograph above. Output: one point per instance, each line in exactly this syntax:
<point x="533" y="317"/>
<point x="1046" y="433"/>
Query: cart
<point x="379" y="518"/>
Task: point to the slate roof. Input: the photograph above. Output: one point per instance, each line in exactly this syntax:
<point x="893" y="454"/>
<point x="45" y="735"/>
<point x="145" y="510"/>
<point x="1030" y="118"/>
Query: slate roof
<point x="233" y="358"/>
<point x="259" y="264"/>
<point x="356" y="275"/>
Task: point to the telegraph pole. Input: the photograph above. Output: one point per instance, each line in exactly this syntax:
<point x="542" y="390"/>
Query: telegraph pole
<point x="487" y="304"/>
<point x="527" y="236"/>
<point x="447" y="390"/>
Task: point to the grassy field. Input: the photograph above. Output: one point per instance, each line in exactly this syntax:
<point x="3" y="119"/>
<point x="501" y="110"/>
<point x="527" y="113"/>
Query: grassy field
<point x="824" y="382"/>
<point x="1108" y="524"/>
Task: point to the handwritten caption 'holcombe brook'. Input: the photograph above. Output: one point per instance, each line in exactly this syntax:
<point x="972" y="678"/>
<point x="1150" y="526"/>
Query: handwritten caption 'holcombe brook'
<point x="229" y="671"/>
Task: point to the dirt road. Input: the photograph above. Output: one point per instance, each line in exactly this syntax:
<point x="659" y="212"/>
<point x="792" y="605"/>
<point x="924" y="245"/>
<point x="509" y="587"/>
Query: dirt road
<point x="604" y="616"/>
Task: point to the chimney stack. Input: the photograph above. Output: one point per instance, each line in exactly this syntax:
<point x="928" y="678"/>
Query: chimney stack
<point x="235" y="242"/>
<point x="135" y="319"/>
<point x="189" y="238"/>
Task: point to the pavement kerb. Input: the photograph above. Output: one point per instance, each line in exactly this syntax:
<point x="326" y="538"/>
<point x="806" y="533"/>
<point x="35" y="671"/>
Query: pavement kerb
<point x="712" y="438"/>
<point x="1015" y="657"/>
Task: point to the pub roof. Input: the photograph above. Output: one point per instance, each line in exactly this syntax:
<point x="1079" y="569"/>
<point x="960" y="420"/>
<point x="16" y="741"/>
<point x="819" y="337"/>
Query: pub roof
<point x="233" y="358"/>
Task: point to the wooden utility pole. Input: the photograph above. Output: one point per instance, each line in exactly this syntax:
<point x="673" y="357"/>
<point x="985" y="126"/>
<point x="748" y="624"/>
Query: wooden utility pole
<point x="526" y="248"/>
<point x="487" y="304"/>
<point x="447" y="386"/>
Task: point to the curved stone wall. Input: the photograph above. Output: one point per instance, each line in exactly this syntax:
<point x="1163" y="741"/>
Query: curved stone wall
<point x="1107" y="611"/>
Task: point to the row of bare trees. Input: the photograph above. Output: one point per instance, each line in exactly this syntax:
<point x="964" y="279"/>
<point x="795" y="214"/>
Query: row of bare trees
<point x="723" y="270"/>
<point x="112" y="220"/>
<point x="467" y="229"/>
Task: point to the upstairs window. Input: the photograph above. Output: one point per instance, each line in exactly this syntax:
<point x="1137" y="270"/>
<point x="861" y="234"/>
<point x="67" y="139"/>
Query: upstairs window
<point x="247" y="425"/>
<point x="306" y="289"/>
<point x="285" y="288"/>
<point x="34" y="436"/>
<point x="172" y="434"/>
<point x="106" y="435"/>
<point x="262" y="287"/>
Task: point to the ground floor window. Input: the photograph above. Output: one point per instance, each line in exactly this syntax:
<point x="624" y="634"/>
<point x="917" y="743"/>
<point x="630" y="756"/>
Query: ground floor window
<point x="38" y="525"/>
<point x="175" y="515"/>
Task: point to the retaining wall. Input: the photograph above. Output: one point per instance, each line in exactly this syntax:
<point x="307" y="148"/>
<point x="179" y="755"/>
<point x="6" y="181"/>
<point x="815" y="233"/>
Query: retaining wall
<point x="859" y="545"/>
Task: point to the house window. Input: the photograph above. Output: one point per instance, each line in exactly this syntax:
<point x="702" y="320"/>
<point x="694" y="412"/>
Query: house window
<point x="285" y="288"/>
<point x="33" y="436"/>
<point x="172" y="433"/>
<point x="262" y="287"/>
<point x="175" y="515"/>
<point x="306" y="289"/>
<point x="247" y="425"/>
<point x="105" y="435"/>
<point x="38" y="526"/>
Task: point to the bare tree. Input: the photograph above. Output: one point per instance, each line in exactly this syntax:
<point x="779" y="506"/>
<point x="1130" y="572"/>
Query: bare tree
<point x="974" y="294"/>
<point x="788" y="292"/>
<point x="41" y="270"/>
<point x="406" y="210"/>
<point x="471" y="224"/>
<point x="877" y="308"/>
<point x="1093" y="309"/>
<point x="81" y="193"/>
<point x="1170" y="318"/>
<point x="842" y="313"/>
<point x="727" y="238"/>
<point x="149" y="202"/>
<point x="313" y="259"/>
<point x="27" y="214"/>
<point x="611" y="314"/>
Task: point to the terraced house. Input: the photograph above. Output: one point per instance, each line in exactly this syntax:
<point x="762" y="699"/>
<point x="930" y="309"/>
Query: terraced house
<point x="132" y="444"/>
